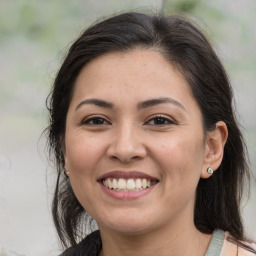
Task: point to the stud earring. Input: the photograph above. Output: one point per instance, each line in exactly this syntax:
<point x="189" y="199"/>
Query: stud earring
<point x="210" y="170"/>
<point x="66" y="172"/>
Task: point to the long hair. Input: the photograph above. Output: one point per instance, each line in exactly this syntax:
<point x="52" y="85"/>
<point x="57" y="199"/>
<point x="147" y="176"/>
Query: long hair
<point x="183" y="45"/>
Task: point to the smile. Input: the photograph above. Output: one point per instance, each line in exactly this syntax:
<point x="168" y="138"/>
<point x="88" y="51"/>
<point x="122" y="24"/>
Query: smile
<point x="126" y="185"/>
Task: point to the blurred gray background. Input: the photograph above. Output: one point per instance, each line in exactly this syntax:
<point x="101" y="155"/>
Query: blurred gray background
<point x="34" y="37"/>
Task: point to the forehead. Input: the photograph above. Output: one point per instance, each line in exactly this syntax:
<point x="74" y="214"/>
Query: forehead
<point x="130" y="70"/>
<point x="126" y="78"/>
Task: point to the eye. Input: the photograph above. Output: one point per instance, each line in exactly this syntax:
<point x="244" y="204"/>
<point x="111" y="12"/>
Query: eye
<point x="160" y="120"/>
<point x="96" y="120"/>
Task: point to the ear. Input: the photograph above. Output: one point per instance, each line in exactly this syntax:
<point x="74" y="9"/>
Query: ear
<point x="214" y="148"/>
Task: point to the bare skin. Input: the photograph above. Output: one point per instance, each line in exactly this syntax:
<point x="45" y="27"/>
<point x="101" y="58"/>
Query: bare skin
<point x="187" y="241"/>
<point x="131" y="114"/>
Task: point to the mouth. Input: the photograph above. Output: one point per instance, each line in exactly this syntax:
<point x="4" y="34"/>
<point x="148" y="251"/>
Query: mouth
<point x="126" y="185"/>
<point x="127" y="181"/>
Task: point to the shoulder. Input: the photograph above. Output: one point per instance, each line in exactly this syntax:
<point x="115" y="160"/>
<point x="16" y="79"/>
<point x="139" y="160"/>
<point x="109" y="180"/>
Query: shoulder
<point x="90" y="246"/>
<point x="232" y="247"/>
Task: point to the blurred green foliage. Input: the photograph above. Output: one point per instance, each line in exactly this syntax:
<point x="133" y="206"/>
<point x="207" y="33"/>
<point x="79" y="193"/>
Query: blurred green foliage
<point x="186" y="6"/>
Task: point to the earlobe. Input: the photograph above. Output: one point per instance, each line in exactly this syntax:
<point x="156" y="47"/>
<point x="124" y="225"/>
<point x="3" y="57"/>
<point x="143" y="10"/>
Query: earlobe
<point x="214" y="148"/>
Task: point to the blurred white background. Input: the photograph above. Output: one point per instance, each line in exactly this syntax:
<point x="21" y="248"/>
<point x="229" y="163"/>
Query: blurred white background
<point x="34" y="37"/>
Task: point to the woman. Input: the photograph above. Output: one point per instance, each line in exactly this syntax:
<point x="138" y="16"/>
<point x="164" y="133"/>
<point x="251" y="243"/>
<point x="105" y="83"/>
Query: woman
<point x="146" y="142"/>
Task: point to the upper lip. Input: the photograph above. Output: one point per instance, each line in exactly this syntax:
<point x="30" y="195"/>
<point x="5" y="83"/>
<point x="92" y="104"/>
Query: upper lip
<point x="126" y="175"/>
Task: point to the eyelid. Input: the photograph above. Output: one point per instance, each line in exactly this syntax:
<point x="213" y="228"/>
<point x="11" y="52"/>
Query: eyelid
<point x="168" y="118"/>
<point x="85" y="120"/>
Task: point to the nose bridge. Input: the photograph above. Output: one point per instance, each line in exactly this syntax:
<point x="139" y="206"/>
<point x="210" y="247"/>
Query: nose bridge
<point x="127" y="142"/>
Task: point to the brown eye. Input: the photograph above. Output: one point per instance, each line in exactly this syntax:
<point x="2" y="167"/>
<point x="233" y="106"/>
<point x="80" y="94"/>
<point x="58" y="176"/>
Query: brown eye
<point x="160" y="120"/>
<point x="95" y="121"/>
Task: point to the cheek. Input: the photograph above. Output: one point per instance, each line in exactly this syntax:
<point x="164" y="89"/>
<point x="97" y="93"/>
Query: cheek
<point x="82" y="153"/>
<point x="81" y="159"/>
<point x="180" y="160"/>
<point x="182" y="147"/>
<point x="181" y="157"/>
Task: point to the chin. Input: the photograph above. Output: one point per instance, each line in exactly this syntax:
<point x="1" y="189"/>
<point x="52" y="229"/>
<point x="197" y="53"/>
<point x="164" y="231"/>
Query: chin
<point x="133" y="224"/>
<point x="134" y="229"/>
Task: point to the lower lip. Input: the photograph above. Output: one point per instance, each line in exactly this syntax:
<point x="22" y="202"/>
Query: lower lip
<point x="128" y="195"/>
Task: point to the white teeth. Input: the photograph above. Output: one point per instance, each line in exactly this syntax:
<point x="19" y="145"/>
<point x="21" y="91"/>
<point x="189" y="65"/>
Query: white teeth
<point x="109" y="183"/>
<point x="127" y="184"/>
<point x="114" y="184"/>
<point x="121" y="184"/>
<point x="130" y="184"/>
<point x="138" y="183"/>
<point x="144" y="183"/>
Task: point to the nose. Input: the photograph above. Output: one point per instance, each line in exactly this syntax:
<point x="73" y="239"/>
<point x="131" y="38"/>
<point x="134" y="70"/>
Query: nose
<point x="127" y="144"/>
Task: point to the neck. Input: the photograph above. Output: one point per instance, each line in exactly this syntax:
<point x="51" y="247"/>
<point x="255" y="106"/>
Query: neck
<point x="170" y="241"/>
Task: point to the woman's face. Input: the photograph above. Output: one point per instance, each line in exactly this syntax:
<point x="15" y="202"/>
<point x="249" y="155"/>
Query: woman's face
<point x="134" y="142"/>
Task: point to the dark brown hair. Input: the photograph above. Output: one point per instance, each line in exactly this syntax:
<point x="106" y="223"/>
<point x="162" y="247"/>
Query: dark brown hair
<point x="182" y="44"/>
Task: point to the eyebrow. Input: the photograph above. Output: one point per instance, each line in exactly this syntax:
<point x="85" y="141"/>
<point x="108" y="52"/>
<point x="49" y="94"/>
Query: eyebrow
<point x="141" y="105"/>
<point x="97" y="102"/>
<point x="153" y="102"/>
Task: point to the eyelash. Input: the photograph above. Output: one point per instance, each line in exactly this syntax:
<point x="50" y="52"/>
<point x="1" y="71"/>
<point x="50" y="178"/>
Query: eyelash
<point x="87" y="121"/>
<point x="166" y="120"/>
<point x="158" y="120"/>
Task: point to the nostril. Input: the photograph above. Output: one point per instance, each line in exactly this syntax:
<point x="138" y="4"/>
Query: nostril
<point x="125" y="159"/>
<point x="126" y="152"/>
